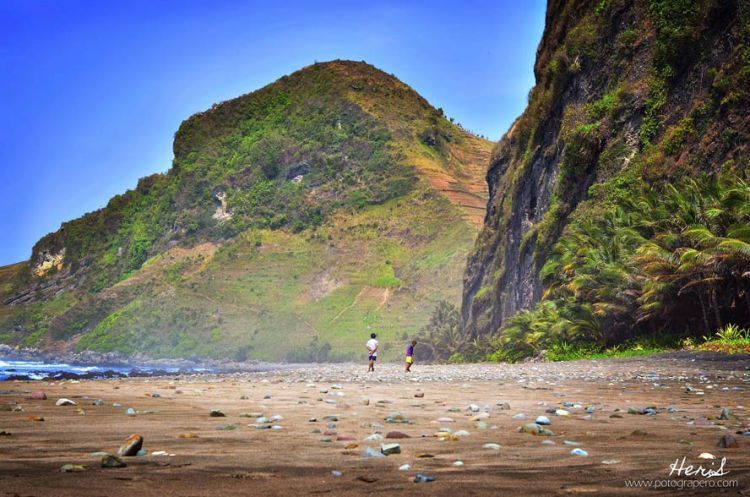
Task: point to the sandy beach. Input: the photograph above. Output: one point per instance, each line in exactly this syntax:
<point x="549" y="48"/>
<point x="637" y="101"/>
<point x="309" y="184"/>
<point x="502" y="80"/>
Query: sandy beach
<point x="632" y="417"/>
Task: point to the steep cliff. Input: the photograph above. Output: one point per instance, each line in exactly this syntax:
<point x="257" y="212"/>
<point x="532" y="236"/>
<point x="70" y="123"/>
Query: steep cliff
<point x="333" y="201"/>
<point x="627" y="92"/>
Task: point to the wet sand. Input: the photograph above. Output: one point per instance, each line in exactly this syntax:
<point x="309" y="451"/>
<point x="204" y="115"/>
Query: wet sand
<point x="295" y="461"/>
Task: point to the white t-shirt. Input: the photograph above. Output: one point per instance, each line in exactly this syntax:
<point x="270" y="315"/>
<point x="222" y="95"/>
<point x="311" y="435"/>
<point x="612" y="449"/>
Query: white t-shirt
<point x="371" y="344"/>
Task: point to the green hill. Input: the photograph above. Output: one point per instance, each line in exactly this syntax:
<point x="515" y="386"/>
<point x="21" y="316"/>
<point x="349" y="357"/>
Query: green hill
<point x="294" y="221"/>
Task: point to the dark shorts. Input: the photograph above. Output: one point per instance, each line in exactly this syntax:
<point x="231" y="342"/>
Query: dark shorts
<point x="373" y="358"/>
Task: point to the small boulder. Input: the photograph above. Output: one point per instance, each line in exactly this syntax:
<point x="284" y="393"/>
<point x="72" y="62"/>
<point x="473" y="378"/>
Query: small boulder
<point x="132" y="445"/>
<point x="38" y="395"/>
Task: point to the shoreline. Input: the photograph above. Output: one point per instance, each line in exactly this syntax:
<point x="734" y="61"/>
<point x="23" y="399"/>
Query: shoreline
<point x="319" y="430"/>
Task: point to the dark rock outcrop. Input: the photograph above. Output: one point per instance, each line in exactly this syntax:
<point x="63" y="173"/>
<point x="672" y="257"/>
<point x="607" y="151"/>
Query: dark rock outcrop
<point x="617" y="82"/>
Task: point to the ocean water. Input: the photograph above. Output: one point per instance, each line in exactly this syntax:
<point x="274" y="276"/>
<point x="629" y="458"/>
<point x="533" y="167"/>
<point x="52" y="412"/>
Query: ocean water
<point x="40" y="370"/>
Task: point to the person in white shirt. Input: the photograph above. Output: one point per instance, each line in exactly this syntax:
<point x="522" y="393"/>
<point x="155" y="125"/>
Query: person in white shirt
<point x="372" y="351"/>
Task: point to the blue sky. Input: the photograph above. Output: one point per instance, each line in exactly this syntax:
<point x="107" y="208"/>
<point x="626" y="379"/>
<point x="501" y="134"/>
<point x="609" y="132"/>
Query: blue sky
<point x="92" y="92"/>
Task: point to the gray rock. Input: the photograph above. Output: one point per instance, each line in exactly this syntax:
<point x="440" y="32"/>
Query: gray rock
<point x="421" y="478"/>
<point x="370" y="452"/>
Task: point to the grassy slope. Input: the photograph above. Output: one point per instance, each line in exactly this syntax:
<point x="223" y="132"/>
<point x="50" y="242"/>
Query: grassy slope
<point x="272" y="292"/>
<point x="289" y="291"/>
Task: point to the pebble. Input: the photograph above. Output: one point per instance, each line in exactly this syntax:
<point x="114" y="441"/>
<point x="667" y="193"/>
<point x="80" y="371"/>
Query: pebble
<point x="71" y="468"/>
<point x="110" y="461"/>
<point x="336" y="473"/>
<point x="388" y="449"/>
<point x="130" y="412"/>
<point x="420" y="478"/>
<point x="458" y="463"/>
<point x="579" y="452"/>
<point x="725" y="414"/>
<point x="543" y="420"/>
<point x="397" y="417"/>
<point x="64" y="402"/>
<point x="375" y="437"/>
<point x="503" y="406"/>
<point x="404" y="467"/>
<point x="98" y="402"/>
<point x="610" y="461"/>
<point x="706" y="455"/>
<point x="536" y="429"/>
<point x="217" y="413"/>
<point x="491" y="446"/>
<point x="370" y="452"/>
<point x="520" y="415"/>
<point x="396" y="434"/>
<point x="38" y="395"/>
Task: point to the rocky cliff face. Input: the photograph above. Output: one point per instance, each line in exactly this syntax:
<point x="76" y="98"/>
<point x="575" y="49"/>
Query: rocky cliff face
<point x="651" y="88"/>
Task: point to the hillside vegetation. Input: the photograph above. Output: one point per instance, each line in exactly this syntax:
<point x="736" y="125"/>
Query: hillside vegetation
<point x="294" y="221"/>
<point x="618" y="200"/>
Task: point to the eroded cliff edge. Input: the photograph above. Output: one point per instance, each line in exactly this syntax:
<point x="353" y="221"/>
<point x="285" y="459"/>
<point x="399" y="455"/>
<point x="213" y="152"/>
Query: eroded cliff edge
<point x="652" y="88"/>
